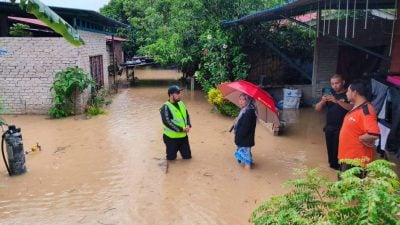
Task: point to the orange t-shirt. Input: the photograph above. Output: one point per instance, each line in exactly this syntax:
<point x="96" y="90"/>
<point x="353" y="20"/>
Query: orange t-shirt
<point x="357" y="122"/>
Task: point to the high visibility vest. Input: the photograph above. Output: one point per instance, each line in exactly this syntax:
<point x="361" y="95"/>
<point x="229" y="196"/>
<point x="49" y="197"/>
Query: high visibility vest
<point x="179" y="118"/>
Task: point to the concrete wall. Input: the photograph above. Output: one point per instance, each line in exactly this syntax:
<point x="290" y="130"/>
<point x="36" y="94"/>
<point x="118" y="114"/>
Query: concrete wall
<point x="95" y="44"/>
<point x="27" y="70"/>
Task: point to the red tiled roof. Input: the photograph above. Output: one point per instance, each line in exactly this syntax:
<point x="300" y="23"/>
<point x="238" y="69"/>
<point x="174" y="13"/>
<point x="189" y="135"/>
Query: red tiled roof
<point x="109" y="38"/>
<point x="27" y="20"/>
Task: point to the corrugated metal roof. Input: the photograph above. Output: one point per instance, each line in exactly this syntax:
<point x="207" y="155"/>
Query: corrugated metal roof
<point x="109" y="38"/>
<point x="14" y="10"/>
<point x="40" y="23"/>
<point x="300" y="7"/>
<point x="27" y="20"/>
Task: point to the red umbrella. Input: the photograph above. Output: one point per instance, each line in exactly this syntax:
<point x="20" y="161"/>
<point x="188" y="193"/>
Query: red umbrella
<point x="266" y="109"/>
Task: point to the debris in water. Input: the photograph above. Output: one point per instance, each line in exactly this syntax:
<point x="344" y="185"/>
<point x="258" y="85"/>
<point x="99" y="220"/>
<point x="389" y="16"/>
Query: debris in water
<point x="60" y="149"/>
<point x="207" y="174"/>
<point x="163" y="165"/>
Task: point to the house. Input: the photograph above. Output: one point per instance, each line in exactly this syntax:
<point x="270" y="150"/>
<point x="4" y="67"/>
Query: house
<point x="28" y="67"/>
<point x="361" y="42"/>
<point x="357" y="47"/>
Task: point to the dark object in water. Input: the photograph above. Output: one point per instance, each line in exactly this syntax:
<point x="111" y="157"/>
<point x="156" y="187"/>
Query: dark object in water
<point x="15" y="151"/>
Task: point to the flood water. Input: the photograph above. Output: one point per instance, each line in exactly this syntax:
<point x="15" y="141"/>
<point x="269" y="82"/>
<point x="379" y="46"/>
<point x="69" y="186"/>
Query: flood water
<point x="105" y="170"/>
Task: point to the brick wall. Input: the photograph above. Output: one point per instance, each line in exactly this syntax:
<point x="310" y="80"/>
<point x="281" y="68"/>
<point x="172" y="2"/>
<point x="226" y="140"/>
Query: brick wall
<point x="27" y="69"/>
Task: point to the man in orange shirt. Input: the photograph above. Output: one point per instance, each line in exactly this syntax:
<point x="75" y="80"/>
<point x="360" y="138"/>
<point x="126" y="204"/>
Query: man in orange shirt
<point x="360" y="127"/>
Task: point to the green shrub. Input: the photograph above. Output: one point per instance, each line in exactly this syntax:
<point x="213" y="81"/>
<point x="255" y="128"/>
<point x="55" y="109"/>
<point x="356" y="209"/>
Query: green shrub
<point x="215" y="98"/>
<point x="221" y="60"/>
<point x="228" y="109"/>
<point x="374" y="199"/>
<point x="66" y="83"/>
<point x="99" y="97"/>
<point x="94" y="110"/>
<point x="20" y="30"/>
<point x="98" y="101"/>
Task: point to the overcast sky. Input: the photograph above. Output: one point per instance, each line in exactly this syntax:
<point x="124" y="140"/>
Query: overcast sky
<point x="77" y="4"/>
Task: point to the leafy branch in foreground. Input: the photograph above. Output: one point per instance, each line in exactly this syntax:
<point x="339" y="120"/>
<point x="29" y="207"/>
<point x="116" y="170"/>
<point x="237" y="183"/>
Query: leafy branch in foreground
<point x="374" y="199"/>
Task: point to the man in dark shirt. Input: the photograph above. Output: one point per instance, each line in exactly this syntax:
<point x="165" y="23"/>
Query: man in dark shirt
<point x="335" y="101"/>
<point x="176" y="125"/>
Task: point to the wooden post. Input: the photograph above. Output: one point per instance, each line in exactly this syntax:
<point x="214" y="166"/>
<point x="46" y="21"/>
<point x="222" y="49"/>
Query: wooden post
<point x="395" y="65"/>
<point x="192" y="83"/>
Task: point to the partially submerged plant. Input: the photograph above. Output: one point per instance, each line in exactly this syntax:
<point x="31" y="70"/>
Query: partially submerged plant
<point x="66" y="84"/>
<point x="98" y="101"/>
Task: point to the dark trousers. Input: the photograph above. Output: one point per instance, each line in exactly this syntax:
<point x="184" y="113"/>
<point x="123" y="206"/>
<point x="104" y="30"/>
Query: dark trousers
<point x="345" y="166"/>
<point x="332" y="145"/>
<point x="177" y="144"/>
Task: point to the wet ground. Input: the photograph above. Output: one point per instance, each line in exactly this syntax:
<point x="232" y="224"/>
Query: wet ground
<point x="105" y="170"/>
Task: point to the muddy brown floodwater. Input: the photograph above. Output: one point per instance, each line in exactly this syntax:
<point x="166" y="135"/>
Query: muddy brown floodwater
<point x="105" y="170"/>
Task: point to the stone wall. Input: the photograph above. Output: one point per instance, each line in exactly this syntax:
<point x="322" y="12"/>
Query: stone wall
<point x="27" y="69"/>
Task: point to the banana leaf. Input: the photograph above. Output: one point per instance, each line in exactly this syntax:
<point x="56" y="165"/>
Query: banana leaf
<point x="51" y="19"/>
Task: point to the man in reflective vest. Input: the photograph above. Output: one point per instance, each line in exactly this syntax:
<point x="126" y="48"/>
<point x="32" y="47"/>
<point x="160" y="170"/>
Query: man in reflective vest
<point x="176" y="125"/>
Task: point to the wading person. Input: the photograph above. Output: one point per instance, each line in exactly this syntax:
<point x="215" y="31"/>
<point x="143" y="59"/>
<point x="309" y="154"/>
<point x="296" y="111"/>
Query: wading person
<point x="176" y="124"/>
<point x="244" y="128"/>
<point x="335" y="102"/>
<point x="360" y="127"/>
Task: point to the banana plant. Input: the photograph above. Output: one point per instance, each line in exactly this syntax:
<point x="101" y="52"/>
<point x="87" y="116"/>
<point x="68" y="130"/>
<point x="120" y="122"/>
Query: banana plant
<point x="52" y="20"/>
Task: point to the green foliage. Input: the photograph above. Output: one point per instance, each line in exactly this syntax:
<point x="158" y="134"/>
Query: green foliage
<point x="374" y="199"/>
<point x="174" y="32"/>
<point x="52" y="20"/>
<point x="228" y="109"/>
<point x="115" y="9"/>
<point x="98" y="102"/>
<point x="66" y="84"/>
<point x="215" y="98"/>
<point x="20" y="30"/>
<point x="94" y="111"/>
<point x="170" y="30"/>
<point x="221" y="60"/>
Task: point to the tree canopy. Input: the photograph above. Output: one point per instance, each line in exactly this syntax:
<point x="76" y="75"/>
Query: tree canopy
<point x="173" y="32"/>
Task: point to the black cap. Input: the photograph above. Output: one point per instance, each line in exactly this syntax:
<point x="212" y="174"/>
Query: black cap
<point x="174" y="89"/>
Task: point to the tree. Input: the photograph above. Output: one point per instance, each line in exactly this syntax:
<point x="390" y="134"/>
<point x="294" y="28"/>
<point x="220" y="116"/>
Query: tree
<point x="173" y="31"/>
<point x="20" y="30"/>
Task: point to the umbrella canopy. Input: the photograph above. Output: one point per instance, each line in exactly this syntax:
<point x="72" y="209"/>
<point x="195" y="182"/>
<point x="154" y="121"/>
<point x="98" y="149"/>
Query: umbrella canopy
<point x="266" y="109"/>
